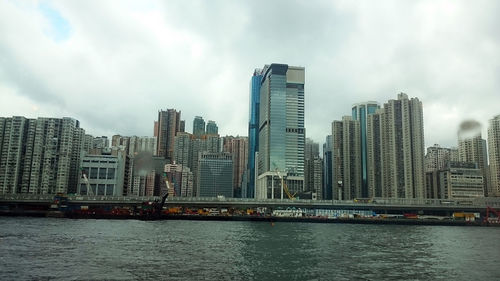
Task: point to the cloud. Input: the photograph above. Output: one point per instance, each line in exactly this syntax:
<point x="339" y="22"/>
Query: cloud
<point x="114" y="65"/>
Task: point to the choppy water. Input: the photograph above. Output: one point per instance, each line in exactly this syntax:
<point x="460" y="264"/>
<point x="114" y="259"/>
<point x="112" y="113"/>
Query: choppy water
<point x="63" y="249"/>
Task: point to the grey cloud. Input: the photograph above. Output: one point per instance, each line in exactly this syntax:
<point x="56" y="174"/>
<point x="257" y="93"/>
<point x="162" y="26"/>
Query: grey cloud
<point x="114" y="73"/>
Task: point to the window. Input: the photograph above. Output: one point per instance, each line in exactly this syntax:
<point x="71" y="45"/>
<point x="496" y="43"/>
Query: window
<point x="94" y="188"/>
<point x="102" y="173"/>
<point x="83" y="189"/>
<point x="111" y="173"/>
<point x="100" y="189"/>
<point x="93" y="173"/>
<point x="110" y="189"/>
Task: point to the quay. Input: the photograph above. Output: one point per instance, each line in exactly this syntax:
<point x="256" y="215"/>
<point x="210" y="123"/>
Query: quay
<point x="366" y="211"/>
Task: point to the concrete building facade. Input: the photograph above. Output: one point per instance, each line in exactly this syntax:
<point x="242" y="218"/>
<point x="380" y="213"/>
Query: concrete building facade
<point x="494" y="155"/>
<point x="346" y="159"/>
<point x="474" y="149"/>
<point x="39" y="156"/>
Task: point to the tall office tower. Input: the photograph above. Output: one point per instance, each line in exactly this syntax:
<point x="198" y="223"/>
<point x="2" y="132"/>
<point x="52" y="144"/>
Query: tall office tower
<point x="437" y="157"/>
<point x="281" y="129"/>
<point x="238" y="148"/>
<point x="360" y="111"/>
<point x="327" y="169"/>
<point x="253" y="130"/>
<point x="181" y="179"/>
<point x="313" y="173"/>
<point x="215" y="172"/>
<point x="168" y="126"/>
<point x="37" y="155"/>
<point x="473" y="149"/>
<point x="346" y="159"/>
<point x="212" y="128"/>
<point x="494" y="155"/>
<point x="198" y="126"/>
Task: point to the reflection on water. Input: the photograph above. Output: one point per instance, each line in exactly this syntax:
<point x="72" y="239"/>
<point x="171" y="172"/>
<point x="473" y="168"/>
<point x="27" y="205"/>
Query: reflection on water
<point x="63" y="249"/>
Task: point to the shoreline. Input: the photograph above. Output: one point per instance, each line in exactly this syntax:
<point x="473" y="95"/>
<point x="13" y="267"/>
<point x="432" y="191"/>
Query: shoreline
<point x="271" y="219"/>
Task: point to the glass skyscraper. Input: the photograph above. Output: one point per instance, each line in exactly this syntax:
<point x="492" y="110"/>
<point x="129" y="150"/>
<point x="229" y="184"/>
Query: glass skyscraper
<point x="281" y="128"/>
<point x="212" y="128"/>
<point x="198" y="126"/>
<point x="359" y="112"/>
<point x="253" y="130"/>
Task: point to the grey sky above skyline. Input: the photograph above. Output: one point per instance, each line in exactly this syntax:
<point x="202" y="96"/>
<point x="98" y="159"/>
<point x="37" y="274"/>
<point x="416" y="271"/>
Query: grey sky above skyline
<point x="112" y="65"/>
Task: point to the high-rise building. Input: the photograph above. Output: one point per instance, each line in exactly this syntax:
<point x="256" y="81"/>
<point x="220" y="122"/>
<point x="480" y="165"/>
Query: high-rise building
<point x="100" y="142"/>
<point x="313" y="173"/>
<point x="473" y="149"/>
<point x="281" y="128"/>
<point x="146" y="175"/>
<point x="437" y="157"/>
<point x="134" y="144"/>
<point x="182" y="148"/>
<point x="346" y="159"/>
<point x="360" y="111"/>
<point x="395" y="149"/>
<point x="212" y="128"/>
<point x="374" y="156"/>
<point x="168" y="126"/>
<point x="253" y="130"/>
<point x="182" y="126"/>
<point x="181" y="179"/>
<point x="39" y="156"/>
<point x="494" y="155"/>
<point x="198" y="126"/>
<point x="215" y="172"/>
<point x="327" y="169"/>
<point x="238" y="148"/>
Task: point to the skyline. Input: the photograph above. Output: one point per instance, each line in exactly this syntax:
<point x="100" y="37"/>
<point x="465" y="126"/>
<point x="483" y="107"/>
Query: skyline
<point x="138" y="58"/>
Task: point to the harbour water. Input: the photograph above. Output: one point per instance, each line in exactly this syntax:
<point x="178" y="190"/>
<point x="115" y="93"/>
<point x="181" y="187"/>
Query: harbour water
<point x="65" y="249"/>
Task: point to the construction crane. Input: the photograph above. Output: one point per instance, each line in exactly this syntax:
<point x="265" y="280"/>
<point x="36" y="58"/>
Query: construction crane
<point x="90" y="192"/>
<point x="284" y="187"/>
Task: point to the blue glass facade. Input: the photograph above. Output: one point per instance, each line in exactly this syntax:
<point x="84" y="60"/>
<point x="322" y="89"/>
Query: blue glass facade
<point x="253" y="130"/>
<point x="359" y="112"/>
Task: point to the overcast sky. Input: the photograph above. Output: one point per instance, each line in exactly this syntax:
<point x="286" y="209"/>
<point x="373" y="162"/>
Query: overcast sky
<point x="114" y="64"/>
